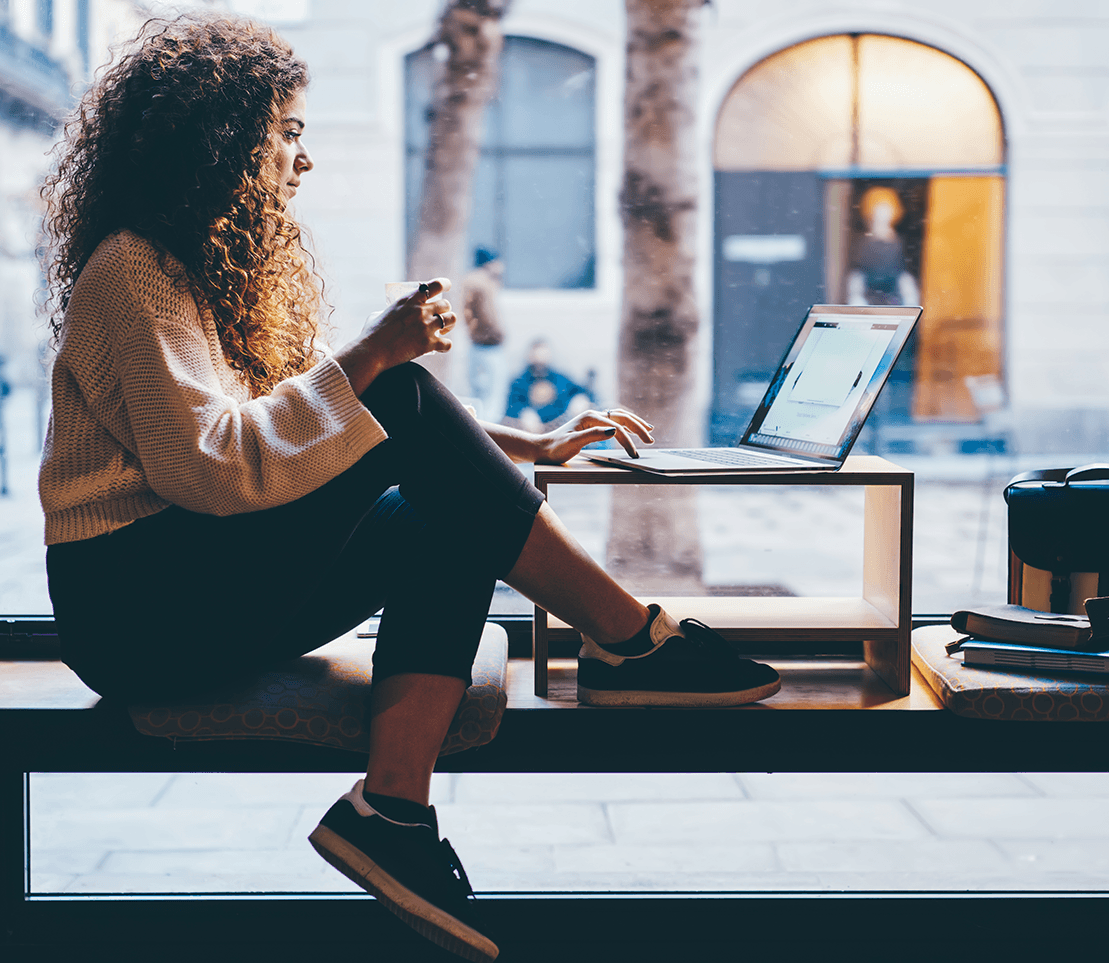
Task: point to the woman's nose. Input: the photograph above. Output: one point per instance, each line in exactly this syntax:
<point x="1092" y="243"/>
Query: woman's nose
<point x="304" y="160"/>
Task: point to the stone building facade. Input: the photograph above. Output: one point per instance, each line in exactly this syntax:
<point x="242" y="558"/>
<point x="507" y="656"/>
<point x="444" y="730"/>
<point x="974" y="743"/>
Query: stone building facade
<point x="48" y="49"/>
<point x="1043" y="64"/>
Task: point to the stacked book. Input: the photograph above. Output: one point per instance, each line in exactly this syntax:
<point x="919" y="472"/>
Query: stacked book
<point x="1013" y="637"/>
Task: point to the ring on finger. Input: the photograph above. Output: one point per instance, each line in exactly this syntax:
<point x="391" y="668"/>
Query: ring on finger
<point x="442" y="320"/>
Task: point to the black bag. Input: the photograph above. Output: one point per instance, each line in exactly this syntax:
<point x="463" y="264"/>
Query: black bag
<point x="1059" y="522"/>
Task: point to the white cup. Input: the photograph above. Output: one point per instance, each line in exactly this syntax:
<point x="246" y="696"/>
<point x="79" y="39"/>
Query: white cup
<point x="395" y="290"/>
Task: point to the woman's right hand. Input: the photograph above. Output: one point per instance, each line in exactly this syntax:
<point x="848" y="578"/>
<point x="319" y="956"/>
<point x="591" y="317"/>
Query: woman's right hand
<point x="408" y="328"/>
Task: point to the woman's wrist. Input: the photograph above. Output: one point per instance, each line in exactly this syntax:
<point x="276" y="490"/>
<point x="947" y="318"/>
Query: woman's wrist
<point x="359" y="364"/>
<point x="517" y="444"/>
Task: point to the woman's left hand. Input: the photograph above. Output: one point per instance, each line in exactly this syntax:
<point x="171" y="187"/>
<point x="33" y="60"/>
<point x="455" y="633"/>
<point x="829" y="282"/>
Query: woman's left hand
<point x="566" y="441"/>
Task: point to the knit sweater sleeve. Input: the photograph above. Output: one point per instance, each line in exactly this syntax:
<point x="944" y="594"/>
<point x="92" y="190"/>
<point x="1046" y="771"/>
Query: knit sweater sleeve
<point x="202" y="442"/>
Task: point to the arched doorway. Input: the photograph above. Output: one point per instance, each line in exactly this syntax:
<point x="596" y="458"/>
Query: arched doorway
<point x="860" y="167"/>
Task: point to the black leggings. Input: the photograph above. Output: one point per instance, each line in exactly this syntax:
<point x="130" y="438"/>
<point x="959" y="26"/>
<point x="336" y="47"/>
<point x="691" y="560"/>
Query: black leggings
<point x="180" y="602"/>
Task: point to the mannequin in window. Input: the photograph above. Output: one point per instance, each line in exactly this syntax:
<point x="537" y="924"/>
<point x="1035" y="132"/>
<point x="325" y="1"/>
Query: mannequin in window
<point x="481" y="289"/>
<point x="878" y="274"/>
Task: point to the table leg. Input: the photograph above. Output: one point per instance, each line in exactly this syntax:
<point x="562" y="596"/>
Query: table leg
<point x="888" y="578"/>
<point x="539" y="634"/>
<point x="539" y="651"/>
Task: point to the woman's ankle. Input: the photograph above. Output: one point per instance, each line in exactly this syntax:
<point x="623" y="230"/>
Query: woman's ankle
<point x="396" y="808"/>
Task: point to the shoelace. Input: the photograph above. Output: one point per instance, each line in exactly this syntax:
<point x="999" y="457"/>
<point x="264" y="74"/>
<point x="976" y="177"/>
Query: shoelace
<point x="456" y="866"/>
<point x="708" y="639"/>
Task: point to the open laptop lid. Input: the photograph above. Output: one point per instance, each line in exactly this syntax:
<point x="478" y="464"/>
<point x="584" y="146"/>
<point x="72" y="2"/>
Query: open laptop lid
<point x="829" y="379"/>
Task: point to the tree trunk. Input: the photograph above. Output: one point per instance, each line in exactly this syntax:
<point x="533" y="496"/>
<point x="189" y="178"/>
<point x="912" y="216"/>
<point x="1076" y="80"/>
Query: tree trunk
<point x="470" y="34"/>
<point x="654" y="544"/>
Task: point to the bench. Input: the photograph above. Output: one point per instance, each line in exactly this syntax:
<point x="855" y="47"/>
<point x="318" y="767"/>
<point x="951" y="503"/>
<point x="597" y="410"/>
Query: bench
<point x="832" y="715"/>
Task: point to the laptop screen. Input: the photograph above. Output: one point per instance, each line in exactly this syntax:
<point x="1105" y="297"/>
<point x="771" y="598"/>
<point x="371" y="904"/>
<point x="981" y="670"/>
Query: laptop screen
<point x="829" y="379"/>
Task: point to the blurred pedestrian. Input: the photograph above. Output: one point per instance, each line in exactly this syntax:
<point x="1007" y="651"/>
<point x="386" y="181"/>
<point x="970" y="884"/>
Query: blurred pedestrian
<point x="542" y="396"/>
<point x="481" y="290"/>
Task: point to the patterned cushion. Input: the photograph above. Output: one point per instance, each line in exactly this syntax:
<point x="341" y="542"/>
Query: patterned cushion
<point x="321" y="698"/>
<point x="986" y="694"/>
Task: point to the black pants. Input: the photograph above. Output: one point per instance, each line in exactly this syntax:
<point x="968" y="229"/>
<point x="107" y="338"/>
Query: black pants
<point x="180" y="602"/>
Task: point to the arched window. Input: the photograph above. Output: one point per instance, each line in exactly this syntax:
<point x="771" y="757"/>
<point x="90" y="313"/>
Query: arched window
<point x="534" y="186"/>
<point x="811" y="145"/>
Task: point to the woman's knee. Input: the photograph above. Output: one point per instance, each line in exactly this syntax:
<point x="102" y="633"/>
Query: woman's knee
<point x="398" y="393"/>
<point x="398" y="381"/>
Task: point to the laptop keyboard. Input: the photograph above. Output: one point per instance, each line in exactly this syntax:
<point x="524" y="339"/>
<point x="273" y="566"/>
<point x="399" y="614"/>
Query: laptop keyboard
<point x="725" y="456"/>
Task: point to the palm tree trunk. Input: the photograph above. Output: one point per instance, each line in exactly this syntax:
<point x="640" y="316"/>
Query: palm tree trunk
<point x="654" y="544"/>
<point x="470" y="34"/>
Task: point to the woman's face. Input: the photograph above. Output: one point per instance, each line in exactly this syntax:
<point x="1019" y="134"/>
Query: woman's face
<point x="290" y="158"/>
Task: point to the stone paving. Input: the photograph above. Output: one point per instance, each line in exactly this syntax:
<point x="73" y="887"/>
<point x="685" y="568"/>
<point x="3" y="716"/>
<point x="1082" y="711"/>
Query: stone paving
<point x="153" y="833"/>
<point x="148" y="833"/>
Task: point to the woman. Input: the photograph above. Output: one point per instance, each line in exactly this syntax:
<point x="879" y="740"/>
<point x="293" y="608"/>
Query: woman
<point x="221" y="490"/>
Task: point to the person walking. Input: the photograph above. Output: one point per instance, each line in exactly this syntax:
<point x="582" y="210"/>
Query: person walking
<point x="481" y="290"/>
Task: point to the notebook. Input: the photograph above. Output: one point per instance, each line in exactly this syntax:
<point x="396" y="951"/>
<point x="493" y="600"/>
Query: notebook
<point x="816" y="403"/>
<point x="1002" y="655"/>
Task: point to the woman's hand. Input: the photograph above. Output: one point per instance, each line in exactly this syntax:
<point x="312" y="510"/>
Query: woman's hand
<point x="408" y="328"/>
<point x="566" y="441"/>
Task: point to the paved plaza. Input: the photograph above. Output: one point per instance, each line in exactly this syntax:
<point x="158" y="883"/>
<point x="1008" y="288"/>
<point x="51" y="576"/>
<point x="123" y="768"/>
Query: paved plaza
<point x="148" y="833"/>
<point x="152" y="833"/>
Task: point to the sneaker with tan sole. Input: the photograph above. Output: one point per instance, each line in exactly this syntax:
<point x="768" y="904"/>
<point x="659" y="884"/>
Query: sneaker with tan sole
<point x="416" y="875"/>
<point x="671" y="664"/>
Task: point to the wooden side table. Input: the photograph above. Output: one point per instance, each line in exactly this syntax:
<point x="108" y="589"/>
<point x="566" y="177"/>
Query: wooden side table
<point x="881" y="618"/>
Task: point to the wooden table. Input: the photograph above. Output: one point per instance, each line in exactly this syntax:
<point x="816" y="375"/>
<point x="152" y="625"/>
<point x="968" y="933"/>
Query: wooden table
<point x="880" y="617"/>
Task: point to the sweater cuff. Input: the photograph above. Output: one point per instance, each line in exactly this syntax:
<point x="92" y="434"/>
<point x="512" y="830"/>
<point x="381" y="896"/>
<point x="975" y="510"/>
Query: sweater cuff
<point x="360" y="430"/>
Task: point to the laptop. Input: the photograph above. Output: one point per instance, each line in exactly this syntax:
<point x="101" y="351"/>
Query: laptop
<point x="817" y="401"/>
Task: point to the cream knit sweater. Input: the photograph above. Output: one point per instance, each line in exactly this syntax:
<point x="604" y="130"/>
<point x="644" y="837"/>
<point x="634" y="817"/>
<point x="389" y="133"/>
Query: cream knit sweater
<point x="147" y="413"/>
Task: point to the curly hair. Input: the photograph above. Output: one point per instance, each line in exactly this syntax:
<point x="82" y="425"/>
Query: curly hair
<point x="172" y="143"/>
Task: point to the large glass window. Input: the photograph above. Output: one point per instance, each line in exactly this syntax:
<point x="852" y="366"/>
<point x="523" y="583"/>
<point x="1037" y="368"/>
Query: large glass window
<point x="819" y="148"/>
<point x="533" y="191"/>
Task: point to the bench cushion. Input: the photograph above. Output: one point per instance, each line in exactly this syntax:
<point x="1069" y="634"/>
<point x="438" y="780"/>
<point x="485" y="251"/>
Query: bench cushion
<point x="322" y="697"/>
<point x="986" y="694"/>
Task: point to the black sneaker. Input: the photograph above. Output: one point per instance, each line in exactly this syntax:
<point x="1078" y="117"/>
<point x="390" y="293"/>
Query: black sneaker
<point x="671" y="665"/>
<point x="415" y="874"/>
